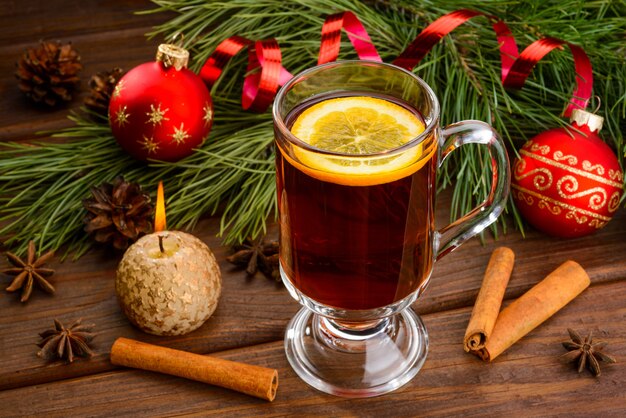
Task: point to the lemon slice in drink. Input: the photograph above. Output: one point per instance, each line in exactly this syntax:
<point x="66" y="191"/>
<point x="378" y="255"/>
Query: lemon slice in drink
<point x="359" y="126"/>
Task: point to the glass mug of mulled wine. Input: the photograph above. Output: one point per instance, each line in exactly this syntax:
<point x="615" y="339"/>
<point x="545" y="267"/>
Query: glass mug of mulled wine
<point x="358" y="145"/>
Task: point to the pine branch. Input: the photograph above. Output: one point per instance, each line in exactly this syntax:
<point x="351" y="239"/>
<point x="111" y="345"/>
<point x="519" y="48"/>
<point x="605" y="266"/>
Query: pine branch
<point x="42" y="184"/>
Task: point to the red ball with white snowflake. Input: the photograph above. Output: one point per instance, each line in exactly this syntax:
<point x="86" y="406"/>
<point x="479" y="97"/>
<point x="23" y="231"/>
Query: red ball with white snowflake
<point x="568" y="182"/>
<point x="161" y="110"/>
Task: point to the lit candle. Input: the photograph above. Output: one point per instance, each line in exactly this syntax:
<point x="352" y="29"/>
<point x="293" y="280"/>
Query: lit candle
<point x="168" y="282"/>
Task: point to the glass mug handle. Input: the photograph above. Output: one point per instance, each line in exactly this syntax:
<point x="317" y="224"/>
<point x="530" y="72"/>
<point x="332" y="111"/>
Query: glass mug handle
<point x="475" y="132"/>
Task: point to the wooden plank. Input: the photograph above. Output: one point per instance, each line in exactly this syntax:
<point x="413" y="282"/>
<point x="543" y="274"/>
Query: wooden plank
<point x="528" y="377"/>
<point x="25" y="21"/>
<point x="254" y="311"/>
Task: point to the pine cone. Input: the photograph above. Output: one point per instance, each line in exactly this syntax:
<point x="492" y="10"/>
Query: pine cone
<point x="118" y="213"/>
<point x="101" y="88"/>
<point x="49" y="73"/>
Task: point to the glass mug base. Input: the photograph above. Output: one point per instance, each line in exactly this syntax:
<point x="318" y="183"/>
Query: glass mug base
<point x="356" y="362"/>
<point x="355" y="354"/>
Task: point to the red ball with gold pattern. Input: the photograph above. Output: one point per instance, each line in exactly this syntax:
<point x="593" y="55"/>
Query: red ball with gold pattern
<point x="161" y="110"/>
<point x="568" y="182"/>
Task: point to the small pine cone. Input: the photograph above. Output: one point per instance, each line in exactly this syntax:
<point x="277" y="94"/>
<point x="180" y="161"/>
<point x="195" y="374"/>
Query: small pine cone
<point x="101" y="88"/>
<point x="49" y="73"/>
<point x="118" y="213"/>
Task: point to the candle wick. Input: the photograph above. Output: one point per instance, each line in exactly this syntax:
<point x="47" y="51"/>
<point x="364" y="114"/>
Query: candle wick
<point x="161" y="244"/>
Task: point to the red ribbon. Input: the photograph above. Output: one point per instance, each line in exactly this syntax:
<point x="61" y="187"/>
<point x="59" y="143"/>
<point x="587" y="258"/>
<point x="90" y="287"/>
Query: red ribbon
<point x="260" y="87"/>
<point x="331" y="38"/>
<point x="433" y="33"/>
<point x="534" y="52"/>
<point x="515" y="67"/>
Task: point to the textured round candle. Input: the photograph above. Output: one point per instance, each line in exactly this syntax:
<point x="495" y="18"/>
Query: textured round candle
<point x="169" y="292"/>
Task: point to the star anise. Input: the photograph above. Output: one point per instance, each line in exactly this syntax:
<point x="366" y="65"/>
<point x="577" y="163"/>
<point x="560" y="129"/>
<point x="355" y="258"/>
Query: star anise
<point x="586" y="352"/>
<point x="64" y="343"/>
<point x="257" y="255"/>
<point x="28" y="272"/>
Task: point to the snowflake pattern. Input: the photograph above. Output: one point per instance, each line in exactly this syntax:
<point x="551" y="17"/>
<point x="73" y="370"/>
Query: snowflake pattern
<point x="121" y="116"/>
<point x="208" y="114"/>
<point x="156" y="115"/>
<point x="180" y="134"/>
<point x="150" y="145"/>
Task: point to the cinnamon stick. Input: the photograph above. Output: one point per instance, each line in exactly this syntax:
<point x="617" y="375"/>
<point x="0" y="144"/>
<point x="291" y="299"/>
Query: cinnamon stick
<point x="489" y="299"/>
<point x="245" y="378"/>
<point x="535" y="306"/>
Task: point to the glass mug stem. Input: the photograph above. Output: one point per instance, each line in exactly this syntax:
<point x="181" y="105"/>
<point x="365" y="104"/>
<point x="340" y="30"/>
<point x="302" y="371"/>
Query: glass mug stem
<point x="475" y="132"/>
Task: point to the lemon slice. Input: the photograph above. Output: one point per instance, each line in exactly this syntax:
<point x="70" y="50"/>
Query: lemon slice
<point x="358" y="126"/>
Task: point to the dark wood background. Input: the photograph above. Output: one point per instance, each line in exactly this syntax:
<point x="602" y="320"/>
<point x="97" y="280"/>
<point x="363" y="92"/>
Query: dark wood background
<point x="249" y="323"/>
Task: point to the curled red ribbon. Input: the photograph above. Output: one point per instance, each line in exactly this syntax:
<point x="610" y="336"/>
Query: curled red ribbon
<point x="433" y="33"/>
<point x="515" y="67"/>
<point x="331" y="38"/>
<point x="534" y="52"/>
<point x="260" y="87"/>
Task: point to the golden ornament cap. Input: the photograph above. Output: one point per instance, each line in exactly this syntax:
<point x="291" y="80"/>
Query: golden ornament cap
<point x="582" y="118"/>
<point x="172" y="56"/>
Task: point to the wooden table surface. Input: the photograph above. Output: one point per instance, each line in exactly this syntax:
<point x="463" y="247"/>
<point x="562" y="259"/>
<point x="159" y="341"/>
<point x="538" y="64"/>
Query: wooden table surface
<point x="252" y="314"/>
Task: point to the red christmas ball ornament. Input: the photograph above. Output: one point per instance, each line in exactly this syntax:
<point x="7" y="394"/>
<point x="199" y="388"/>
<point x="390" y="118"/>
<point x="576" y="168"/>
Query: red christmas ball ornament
<point x="161" y="110"/>
<point x="567" y="181"/>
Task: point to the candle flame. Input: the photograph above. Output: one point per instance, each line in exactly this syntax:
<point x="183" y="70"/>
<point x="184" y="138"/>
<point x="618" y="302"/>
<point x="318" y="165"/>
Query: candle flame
<point x="160" y="223"/>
